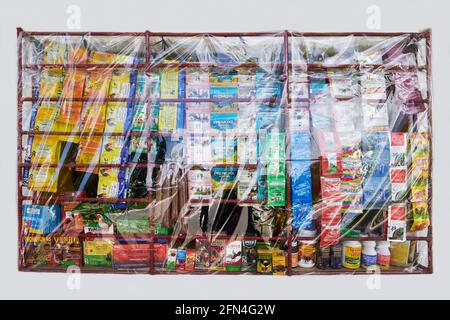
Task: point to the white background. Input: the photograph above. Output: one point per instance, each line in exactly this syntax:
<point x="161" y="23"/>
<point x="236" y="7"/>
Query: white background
<point x="225" y="15"/>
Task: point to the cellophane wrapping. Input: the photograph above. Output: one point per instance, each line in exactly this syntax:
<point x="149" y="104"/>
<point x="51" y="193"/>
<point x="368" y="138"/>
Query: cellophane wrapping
<point x="266" y="153"/>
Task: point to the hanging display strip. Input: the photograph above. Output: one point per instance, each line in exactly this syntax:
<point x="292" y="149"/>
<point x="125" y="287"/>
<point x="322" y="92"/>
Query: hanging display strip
<point x="278" y="153"/>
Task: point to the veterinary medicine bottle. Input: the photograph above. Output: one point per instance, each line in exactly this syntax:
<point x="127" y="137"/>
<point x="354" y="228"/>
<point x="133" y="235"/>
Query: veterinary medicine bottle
<point x="369" y="255"/>
<point x="383" y="255"/>
<point x="351" y="257"/>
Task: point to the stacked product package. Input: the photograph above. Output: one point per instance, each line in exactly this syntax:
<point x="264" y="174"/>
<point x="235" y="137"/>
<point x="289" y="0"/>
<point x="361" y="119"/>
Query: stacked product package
<point x="264" y="153"/>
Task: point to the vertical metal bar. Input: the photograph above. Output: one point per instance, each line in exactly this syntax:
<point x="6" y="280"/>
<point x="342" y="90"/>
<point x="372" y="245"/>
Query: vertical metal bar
<point x="429" y="127"/>
<point x="19" y="143"/>
<point x="288" y="207"/>
<point x="149" y="167"/>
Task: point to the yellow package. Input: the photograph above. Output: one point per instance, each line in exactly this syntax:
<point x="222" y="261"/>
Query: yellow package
<point x="101" y="57"/>
<point x="116" y="113"/>
<point x="89" y="151"/>
<point x="51" y="83"/>
<point x="278" y="262"/>
<point x="45" y="149"/>
<point x="169" y="83"/>
<point x="97" y="84"/>
<point x="43" y="179"/>
<point x="54" y="52"/>
<point x="93" y="118"/>
<point x="421" y="217"/>
<point x="108" y="183"/>
<point x="77" y="54"/>
<point x="46" y="116"/>
<point x="120" y="84"/>
<point x="111" y="149"/>
<point x="167" y="118"/>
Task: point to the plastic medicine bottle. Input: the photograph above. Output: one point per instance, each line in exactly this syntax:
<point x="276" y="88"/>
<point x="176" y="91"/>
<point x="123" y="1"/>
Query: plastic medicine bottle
<point x="369" y="255"/>
<point x="383" y="254"/>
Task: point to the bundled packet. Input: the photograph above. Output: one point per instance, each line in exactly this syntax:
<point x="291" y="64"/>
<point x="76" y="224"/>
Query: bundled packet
<point x="223" y="180"/>
<point x="46" y="116"/>
<point x="171" y="262"/>
<point x="299" y="85"/>
<point x="112" y="150"/>
<point x="246" y="149"/>
<point x="131" y="255"/>
<point x="343" y="83"/>
<point x="375" y="117"/>
<point x="109" y="184"/>
<point x="39" y="219"/>
<point x="200" y="184"/>
<point x="51" y="81"/>
<point x="197" y="83"/>
<point x="202" y="254"/>
<point x="55" y="52"/>
<point x="264" y="258"/>
<point x="373" y="84"/>
<point x="279" y="262"/>
<point x="331" y="224"/>
<point x="45" y="149"/>
<point x="247" y="185"/>
<point x="397" y="222"/>
<point x="181" y="259"/>
<point x="98" y="252"/>
<point x="246" y="82"/>
<point x="217" y="254"/>
<point x="70" y="112"/>
<point x="233" y="255"/>
<point x="249" y="255"/>
<point x="420" y="151"/>
<point x="300" y="146"/>
<point x="167" y="118"/>
<point x="190" y="259"/>
<point x="198" y="118"/>
<point x="299" y="119"/>
<point x="346" y="116"/>
<point x="43" y="179"/>
<point x="420" y="215"/>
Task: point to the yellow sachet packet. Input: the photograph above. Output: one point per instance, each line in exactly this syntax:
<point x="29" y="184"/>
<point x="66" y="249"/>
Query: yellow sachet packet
<point x="108" y="183"/>
<point x="54" y="52"/>
<point x="120" y="84"/>
<point x="167" y="118"/>
<point x="116" y="113"/>
<point x="51" y="83"/>
<point x="111" y="149"/>
<point x="169" y="83"/>
<point x="43" y="179"/>
<point x="89" y="151"/>
<point x="46" y="116"/>
<point x="45" y="149"/>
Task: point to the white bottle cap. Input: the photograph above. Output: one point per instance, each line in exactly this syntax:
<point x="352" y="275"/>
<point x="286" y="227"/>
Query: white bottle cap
<point x="384" y="244"/>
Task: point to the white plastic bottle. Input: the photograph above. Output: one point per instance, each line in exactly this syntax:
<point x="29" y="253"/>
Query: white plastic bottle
<point x="383" y="255"/>
<point x="369" y="255"/>
<point x="307" y="249"/>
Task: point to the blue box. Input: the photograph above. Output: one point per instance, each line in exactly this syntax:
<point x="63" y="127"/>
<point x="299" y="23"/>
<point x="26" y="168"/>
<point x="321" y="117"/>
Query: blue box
<point x="41" y="219"/>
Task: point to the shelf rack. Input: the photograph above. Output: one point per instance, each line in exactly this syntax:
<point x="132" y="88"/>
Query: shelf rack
<point x="148" y="67"/>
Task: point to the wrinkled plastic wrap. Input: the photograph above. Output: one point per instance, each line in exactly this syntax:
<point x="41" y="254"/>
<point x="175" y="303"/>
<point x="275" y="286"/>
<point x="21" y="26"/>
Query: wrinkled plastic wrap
<point x="260" y="153"/>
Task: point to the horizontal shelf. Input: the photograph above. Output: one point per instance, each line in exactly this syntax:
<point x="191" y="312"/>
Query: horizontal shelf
<point x="81" y="99"/>
<point x="212" y="100"/>
<point x="359" y="271"/>
<point x="207" y="64"/>
<point x="111" y="66"/>
<point x="57" y="198"/>
<point x="86" y="133"/>
<point x="163" y="271"/>
<point x="81" y="165"/>
<point x="154" y="237"/>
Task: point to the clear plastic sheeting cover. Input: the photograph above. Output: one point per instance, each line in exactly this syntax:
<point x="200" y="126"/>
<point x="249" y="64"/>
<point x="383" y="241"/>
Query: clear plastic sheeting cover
<point x="262" y="153"/>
